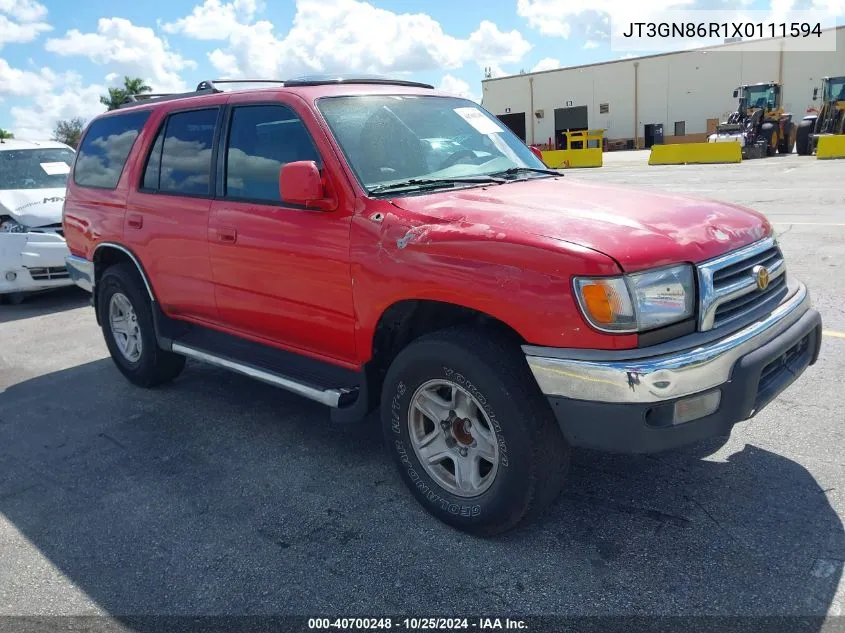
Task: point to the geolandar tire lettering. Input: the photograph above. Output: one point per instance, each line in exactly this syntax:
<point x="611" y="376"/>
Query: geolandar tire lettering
<point x="471" y="435"/>
<point x="127" y="323"/>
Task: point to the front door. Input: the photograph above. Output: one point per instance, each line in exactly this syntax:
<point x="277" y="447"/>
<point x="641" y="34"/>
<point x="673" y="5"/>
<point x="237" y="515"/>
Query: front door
<point x="281" y="273"/>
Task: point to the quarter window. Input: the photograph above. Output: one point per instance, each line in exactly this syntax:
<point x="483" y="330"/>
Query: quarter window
<point x="180" y="159"/>
<point x="261" y="140"/>
<point x="105" y="148"/>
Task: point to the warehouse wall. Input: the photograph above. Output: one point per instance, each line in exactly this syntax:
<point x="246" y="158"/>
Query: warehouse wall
<point x="690" y="86"/>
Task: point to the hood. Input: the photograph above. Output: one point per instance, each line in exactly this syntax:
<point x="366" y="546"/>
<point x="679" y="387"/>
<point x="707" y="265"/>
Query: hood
<point x="33" y="207"/>
<point x="639" y="229"/>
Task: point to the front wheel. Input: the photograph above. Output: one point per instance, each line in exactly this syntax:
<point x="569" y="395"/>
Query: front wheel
<point x="473" y="438"/>
<point x="127" y="322"/>
<point x="802" y="137"/>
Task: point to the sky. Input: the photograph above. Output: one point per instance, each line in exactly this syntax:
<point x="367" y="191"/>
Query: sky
<point x="57" y="57"/>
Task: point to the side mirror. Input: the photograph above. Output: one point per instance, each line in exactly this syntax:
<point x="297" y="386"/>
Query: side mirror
<point x="300" y="183"/>
<point x="536" y="151"/>
<point x="815" y="93"/>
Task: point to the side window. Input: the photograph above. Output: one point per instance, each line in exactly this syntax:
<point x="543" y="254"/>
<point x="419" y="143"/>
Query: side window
<point x="180" y="159"/>
<point x="261" y="140"/>
<point x="105" y="148"/>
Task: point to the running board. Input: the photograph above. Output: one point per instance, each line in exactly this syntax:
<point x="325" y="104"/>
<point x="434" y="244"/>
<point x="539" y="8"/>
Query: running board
<point x="334" y="398"/>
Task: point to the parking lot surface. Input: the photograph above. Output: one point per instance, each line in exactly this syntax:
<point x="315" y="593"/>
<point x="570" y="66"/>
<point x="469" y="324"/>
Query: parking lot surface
<point x="220" y="495"/>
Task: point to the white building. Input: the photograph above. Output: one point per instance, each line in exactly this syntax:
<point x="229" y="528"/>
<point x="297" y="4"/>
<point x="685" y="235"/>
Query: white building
<point x="685" y="92"/>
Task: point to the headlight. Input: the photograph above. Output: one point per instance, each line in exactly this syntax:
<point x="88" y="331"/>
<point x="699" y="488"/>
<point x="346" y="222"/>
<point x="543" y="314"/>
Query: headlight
<point x="8" y="225"/>
<point x="634" y="303"/>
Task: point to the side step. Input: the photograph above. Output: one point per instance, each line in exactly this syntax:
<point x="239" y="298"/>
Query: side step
<point x="344" y="391"/>
<point x="334" y="398"/>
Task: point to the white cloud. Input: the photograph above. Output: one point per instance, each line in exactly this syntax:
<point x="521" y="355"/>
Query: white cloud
<point x="23" y="10"/>
<point x="21" y="21"/>
<point x="24" y="83"/>
<point x="214" y="20"/>
<point x="129" y="49"/>
<point x="68" y="99"/>
<point x="547" y="63"/>
<point x="457" y="87"/>
<point x="329" y="36"/>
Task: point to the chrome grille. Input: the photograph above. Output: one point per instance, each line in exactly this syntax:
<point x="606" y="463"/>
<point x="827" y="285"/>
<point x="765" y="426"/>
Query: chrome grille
<point x="728" y="289"/>
<point x="48" y="274"/>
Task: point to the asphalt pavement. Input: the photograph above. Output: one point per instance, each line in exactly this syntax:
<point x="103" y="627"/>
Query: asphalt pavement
<point x="218" y="495"/>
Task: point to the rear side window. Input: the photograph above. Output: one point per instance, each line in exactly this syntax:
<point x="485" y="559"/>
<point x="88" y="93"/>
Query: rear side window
<point x="103" y="152"/>
<point x="180" y="159"/>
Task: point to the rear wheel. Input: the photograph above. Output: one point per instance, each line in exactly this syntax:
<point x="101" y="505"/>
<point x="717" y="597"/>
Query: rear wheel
<point x="471" y="434"/>
<point x="127" y="321"/>
<point x="802" y="137"/>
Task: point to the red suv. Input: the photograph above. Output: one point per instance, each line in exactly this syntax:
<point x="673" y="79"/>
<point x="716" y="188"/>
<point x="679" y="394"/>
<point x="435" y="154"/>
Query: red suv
<point x="370" y="244"/>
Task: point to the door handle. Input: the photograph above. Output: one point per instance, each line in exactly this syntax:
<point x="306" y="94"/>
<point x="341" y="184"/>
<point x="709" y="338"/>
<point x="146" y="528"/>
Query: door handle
<point x="135" y="220"/>
<point x="227" y="234"/>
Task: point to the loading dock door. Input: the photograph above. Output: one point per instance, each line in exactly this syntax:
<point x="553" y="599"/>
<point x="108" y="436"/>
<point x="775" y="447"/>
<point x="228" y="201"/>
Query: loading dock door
<point x="569" y="120"/>
<point x="515" y="122"/>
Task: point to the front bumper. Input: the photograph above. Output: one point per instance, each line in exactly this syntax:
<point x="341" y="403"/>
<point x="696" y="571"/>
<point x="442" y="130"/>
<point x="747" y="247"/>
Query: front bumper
<point x="30" y="262"/>
<point x="624" y="401"/>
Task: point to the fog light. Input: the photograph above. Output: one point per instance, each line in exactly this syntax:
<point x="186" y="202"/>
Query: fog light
<point x="696" y="407"/>
<point x="11" y="275"/>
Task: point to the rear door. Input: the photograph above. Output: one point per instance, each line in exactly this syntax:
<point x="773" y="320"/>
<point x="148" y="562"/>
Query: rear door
<point x="168" y="212"/>
<point x="281" y="272"/>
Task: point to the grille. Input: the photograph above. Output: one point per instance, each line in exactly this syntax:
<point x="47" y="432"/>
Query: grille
<point x="48" y="274"/>
<point x="728" y="285"/>
<point x="789" y="361"/>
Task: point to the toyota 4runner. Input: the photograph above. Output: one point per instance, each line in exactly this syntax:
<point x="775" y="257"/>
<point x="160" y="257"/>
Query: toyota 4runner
<point x="375" y="244"/>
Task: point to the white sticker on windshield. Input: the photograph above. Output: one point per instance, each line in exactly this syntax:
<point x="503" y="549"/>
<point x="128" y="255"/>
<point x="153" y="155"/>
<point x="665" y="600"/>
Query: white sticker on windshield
<point x="478" y="120"/>
<point x="55" y="169"/>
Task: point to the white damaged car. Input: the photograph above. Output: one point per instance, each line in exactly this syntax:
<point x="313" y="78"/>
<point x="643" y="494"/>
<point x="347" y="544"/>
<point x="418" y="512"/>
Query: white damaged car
<point x="33" y="178"/>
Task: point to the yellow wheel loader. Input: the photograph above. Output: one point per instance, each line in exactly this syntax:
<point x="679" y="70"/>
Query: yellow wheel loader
<point x="829" y="120"/>
<point x="759" y="124"/>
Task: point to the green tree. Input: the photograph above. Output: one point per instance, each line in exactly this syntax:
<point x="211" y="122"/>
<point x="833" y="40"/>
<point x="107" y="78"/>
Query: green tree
<point x="132" y="86"/>
<point x="116" y="98"/>
<point x="135" y="86"/>
<point x="69" y="131"/>
<point x="4" y="134"/>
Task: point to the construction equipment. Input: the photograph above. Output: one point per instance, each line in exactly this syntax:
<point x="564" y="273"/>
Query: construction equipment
<point x="759" y="124"/>
<point x="825" y="122"/>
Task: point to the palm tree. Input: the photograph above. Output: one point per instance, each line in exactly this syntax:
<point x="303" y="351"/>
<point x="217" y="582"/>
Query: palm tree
<point x="116" y="98"/>
<point x="135" y="86"/>
<point x="4" y="134"/>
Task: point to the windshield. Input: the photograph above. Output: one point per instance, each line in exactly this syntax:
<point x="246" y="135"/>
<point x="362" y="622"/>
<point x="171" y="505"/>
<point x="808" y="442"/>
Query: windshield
<point x="835" y="89"/>
<point x="390" y="138"/>
<point x="35" y="168"/>
<point x="761" y="97"/>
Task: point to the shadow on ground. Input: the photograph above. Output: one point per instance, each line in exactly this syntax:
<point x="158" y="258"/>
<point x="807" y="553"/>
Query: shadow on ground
<point x="219" y="495"/>
<point x="39" y="304"/>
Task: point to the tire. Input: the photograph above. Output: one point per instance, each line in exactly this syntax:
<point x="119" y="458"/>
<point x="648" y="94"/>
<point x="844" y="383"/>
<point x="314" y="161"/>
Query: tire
<point x="532" y="456"/>
<point x="802" y="137"/>
<point x="786" y="145"/>
<point x="768" y="132"/>
<point x="150" y="366"/>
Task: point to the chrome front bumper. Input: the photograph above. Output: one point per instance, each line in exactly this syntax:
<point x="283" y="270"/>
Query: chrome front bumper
<point x="662" y="373"/>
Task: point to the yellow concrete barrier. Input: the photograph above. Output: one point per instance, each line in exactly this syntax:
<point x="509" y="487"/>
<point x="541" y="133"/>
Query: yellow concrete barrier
<point x="695" y="153"/>
<point x="831" y="146"/>
<point x="567" y="158"/>
<point x="589" y="154"/>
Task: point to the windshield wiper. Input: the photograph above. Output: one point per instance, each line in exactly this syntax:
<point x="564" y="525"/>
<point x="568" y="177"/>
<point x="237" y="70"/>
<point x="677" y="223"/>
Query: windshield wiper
<point x="513" y="171"/>
<point x="435" y="183"/>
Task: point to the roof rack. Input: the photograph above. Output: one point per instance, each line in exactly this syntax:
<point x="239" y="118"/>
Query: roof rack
<point x="209" y="86"/>
<point x="323" y="80"/>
